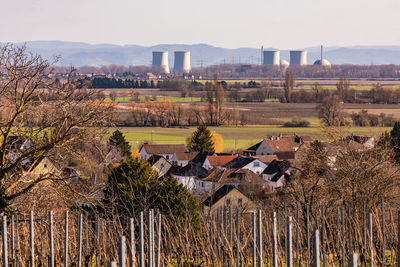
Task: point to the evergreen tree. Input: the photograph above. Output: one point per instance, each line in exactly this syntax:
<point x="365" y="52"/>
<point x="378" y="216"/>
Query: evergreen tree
<point x="201" y="140"/>
<point x="118" y="139"/>
<point x="134" y="186"/>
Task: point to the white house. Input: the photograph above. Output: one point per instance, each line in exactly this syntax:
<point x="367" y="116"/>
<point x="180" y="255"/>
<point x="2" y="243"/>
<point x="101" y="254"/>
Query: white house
<point x="182" y="158"/>
<point x="252" y="164"/>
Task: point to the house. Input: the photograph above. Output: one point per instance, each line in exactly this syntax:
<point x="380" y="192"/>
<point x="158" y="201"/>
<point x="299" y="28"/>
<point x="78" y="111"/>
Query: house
<point x="275" y="173"/>
<point x="273" y="145"/>
<point x="186" y="175"/>
<point x="366" y="141"/>
<point x="216" y="178"/>
<point x="159" y="164"/>
<point x="166" y="151"/>
<point x="228" y="196"/>
<point x="218" y="161"/>
<point x="183" y="158"/>
<point x="40" y="167"/>
<point x="267" y="159"/>
<point x="201" y="159"/>
<point x="251" y="164"/>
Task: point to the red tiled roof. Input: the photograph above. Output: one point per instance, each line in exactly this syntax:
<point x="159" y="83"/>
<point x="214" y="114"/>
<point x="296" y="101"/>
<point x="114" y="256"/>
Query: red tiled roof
<point x="220" y="160"/>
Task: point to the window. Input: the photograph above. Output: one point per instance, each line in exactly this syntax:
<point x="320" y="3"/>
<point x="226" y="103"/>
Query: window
<point x="240" y="201"/>
<point x="45" y="165"/>
<point x="256" y="164"/>
<point x="202" y="184"/>
<point x="228" y="201"/>
<point x="167" y="157"/>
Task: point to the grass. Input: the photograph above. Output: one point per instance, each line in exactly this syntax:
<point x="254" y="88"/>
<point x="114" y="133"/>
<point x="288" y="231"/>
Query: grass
<point x="235" y="138"/>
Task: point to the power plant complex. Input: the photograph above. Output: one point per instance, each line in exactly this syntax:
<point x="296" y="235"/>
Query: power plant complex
<point x="181" y="61"/>
<point x="297" y="58"/>
<point x="269" y="57"/>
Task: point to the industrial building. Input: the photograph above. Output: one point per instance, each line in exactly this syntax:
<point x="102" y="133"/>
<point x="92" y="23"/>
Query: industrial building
<point x="322" y="61"/>
<point x="160" y="59"/>
<point x="271" y="58"/>
<point x="182" y="62"/>
<point x="298" y="57"/>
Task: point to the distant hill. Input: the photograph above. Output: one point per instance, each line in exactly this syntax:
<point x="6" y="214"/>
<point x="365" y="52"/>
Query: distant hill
<point x="80" y="54"/>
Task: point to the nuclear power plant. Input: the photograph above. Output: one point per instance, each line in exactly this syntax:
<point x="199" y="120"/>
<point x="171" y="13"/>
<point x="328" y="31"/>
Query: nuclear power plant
<point x="322" y="61"/>
<point x="182" y="62"/>
<point x="160" y="59"/>
<point x="271" y="58"/>
<point x="298" y="58"/>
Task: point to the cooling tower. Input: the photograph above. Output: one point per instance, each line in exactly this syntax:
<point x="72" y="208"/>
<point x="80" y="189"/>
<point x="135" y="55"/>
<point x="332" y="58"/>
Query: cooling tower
<point x="160" y="59"/>
<point x="298" y="58"/>
<point x="182" y="62"/>
<point x="271" y="57"/>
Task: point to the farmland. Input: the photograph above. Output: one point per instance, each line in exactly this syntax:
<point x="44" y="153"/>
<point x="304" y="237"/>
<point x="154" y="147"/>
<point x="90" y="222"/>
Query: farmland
<point x="235" y="138"/>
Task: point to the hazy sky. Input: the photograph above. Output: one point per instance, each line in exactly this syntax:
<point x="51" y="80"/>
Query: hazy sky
<point x="283" y="24"/>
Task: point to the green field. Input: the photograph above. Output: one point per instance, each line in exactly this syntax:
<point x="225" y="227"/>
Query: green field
<point x="235" y="138"/>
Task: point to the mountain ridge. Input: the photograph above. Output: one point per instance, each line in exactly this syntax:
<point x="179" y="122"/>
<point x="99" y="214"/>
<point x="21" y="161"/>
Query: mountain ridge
<point x="81" y="53"/>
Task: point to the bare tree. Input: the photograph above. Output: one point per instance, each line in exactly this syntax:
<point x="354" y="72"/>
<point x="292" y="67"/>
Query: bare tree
<point x="288" y="85"/>
<point x="330" y="111"/>
<point x="48" y="118"/>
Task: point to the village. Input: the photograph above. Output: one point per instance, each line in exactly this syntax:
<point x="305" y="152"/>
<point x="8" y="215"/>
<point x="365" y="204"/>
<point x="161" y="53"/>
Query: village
<point x="229" y="179"/>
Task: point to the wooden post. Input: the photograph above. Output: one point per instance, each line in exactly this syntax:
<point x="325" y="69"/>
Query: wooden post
<point x="5" y="240"/>
<point x="80" y="240"/>
<point x="274" y="241"/>
<point x="122" y="252"/>
<point x="238" y="238"/>
<point x="158" y="255"/>
<point x="316" y="261"/>
<point x="66" y="240"/>
<point x="132" y="243"/>
<point x="353" y="260"/>
<point x="32" y="238"/>
<point x="253" y="219"/>
<point x="289" y="251"/>
<point x="141" y="241"/>
<point x="259" y="239"/>
<point x="51" y="239"/>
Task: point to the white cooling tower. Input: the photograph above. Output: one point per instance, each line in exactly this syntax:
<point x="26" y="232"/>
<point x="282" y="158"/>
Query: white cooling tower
<point x="271" y="58"/>
<point x="298" y="58"/>
<point x="182" y="62"/>
<point x="160" y="59"/>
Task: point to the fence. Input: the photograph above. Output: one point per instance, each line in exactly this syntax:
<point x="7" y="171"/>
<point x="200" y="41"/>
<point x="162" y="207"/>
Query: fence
<point x="229" y="237"/>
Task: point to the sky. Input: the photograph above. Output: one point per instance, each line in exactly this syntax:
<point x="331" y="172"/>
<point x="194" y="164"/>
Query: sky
<point x="282" y="24"/>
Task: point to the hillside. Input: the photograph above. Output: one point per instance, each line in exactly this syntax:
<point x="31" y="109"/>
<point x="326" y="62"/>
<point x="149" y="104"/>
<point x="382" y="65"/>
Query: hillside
<point x="79" y="54"/>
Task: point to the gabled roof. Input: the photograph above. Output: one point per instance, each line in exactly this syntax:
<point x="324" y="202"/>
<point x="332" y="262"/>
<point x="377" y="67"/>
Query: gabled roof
<point x="266" y="158"/>
<point x="220" y="193"/>
<point x="201" y="157"/>
<point x="217" y="160"/>
<point x="164" y="149"/>
<point x="286" y="155"/>
<point x="278" y="168"/>
<point x="282" y="144"/>
<point x="189" y="170"/>
<point x="254" y="147"/>
<point x="186" y="155"/>
<point x="229" y="176"/>
<point x="358" y="139"/>
<point x="154" y="159"/>
<point x="239" y="162"/>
